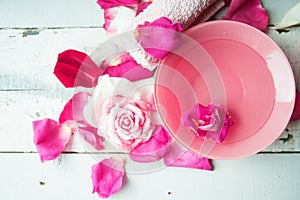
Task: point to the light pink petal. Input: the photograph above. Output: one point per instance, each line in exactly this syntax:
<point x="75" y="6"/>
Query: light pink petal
<point x="142" y="6"/>
<point x="90" y="134"/>
<point x="73" y="113"/>
<point x="154" y="149"/>
<point x="104" y="4"/>
<point x="178" y="156"/>
<point x="296" y="112"/>
<point x="129" y="69"/>
<point x="249" y="12"/>
<point x="118" y="20"/>
<point x="50" y="138"/>
<point x="107" y="177"/>
<point x="158" y="37"/>
<point x="73" y="109"/>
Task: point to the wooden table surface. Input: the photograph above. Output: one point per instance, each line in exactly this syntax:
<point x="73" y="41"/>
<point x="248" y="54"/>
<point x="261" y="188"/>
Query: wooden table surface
<point x="32" y="33"/>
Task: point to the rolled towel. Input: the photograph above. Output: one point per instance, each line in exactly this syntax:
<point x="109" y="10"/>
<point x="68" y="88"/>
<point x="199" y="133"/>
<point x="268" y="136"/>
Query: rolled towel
<point x="184" y="12"/>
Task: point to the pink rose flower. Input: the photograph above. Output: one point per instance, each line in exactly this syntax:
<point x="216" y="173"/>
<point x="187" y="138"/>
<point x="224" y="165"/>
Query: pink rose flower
<point x="201" y="120"/>
<point x="124" y="118"/>
<point x="126" y="122"/>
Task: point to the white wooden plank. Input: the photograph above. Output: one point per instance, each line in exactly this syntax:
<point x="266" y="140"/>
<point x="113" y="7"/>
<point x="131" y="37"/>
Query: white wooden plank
<point x="265" y="177"/>
<point x="54" y="13"/>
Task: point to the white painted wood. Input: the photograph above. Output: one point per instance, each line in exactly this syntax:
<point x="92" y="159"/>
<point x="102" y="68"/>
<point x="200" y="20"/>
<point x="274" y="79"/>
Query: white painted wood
<point x="50" y="13"/>
<point x="265" y="177"/>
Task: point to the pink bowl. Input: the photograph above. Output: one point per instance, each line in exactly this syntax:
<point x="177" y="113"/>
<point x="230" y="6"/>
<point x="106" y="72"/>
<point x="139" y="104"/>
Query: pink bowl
<point x="235" y="65"/>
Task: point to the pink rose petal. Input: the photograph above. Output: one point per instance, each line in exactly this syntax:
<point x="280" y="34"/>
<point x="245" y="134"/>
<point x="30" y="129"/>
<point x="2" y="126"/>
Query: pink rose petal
<point x="90" y="134"/>
<point x="296" y="112"/>
<point x="107" y="177"/>
<point x="73" y="109"/>
<point x="104" y="4"/>
<point x="142" y="6"/>
<point x="249" y="12"/>
<point x="50" y="138"/>
<point x="73" y="113"/>
<point x="158" y="37"/>
<point x="180" y="157"/>
<point x="129" y="69"/>
<point x="153" y="149"/>
<point x="74" y="68"/>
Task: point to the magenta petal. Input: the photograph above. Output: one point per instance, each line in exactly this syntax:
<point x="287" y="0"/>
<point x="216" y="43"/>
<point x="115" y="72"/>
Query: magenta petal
<point x="129" y="69"/>
<point x="104" y="4"/>
<point x="181" y="157"/>
<point x="154" y="149"/>
<point x="158" y="37"/>
<point x="73" y="109"/>
<point x="74" y="68"/>
<point x="50" y="138"/>
<point x="296" y="112"/>
<point x="249" y="12"/>
<point x="142" y="6"/>
<point x="107" y="177"/>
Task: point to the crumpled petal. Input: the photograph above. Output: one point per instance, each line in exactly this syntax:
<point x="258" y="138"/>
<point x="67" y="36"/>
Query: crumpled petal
<point x="128" y="68"/>
<point x="107" y="177"/>
<point x="142" y="6"/>
<point x="153" y="149"/>
<point x="74" y="68"/>
<point x="178" y="156"/>
<point x="90" y="134"/>
<point x="249" y="12"/>
<point x="296" y="112"/>
<point x="156" y="37"/>
<point x="104" y="4"/>
<point x="291" y="18"/>
<point x="50" y="138"/>
<point x="118" y="19"/>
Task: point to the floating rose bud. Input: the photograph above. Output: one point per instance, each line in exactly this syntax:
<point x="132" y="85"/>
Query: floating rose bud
<point x="201" y="120"/>
<point x="107" y="177"/>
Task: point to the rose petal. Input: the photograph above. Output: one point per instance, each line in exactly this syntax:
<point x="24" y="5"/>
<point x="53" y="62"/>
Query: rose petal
<point x="73" y="109"/>
<point x="158" y="37"/>
<point x="154" y="149"/>
<point x="50" y="138"/>
<point x="291" y="18"/>
<point x="90" y="134"/>
<point x="118" y="19"/>
<point x="129" y="69"/>
<point x="74" y="68"/>
<point x="249" y="12"/>
<point x="142" y="6"/>
<point x="177" y="156"/>
<point x="296" y="112"/>
<point x="104" y="4"/>
<point x="107" y="177"/>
